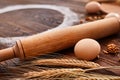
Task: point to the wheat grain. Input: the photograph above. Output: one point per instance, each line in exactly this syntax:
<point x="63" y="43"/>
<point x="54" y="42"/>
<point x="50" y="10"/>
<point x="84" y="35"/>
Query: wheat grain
<point x="96" y="76"/>
<point x="66" y="63"/>
<point x="78" y="73"/>
<point x="69" y="73"/>
<point x="49" y="73"/>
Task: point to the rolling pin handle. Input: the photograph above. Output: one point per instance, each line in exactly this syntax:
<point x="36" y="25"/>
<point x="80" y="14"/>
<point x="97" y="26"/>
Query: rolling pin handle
<point x="6" y="54"/>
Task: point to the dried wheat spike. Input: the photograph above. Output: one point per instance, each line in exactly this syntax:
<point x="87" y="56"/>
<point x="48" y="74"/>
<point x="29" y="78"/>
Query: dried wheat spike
<point x="66" y="63"/>
<point x="49" y="73"/>
<point x="96" y="76"/>
<point x="82" y="75"/>
<point x="69" y="73"/>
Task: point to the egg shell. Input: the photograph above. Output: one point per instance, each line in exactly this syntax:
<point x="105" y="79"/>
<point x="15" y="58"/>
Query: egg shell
<point x="87" y="49"/>
<point x="92" y="7"/>
<point x="112" y="15"/>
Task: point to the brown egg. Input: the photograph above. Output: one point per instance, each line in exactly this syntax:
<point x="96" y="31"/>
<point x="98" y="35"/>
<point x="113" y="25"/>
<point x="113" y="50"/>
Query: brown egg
<point x="87" y="49"/>
<point x="112" y="15"/>
<point x="92" y="7"/>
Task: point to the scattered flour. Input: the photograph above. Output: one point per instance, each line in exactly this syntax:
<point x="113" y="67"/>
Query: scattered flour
<point x="70" y="18"/>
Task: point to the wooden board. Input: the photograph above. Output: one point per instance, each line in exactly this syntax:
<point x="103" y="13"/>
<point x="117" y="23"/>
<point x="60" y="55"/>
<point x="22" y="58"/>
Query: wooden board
<point x="26" y="22"/>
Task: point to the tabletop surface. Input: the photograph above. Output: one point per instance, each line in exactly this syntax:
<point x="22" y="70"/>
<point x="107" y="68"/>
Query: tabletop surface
<point x="25" y="21"/>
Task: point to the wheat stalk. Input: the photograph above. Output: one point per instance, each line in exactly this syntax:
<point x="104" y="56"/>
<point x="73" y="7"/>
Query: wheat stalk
<point x="66" y="63"/>
<point x="96" y="76"/>
<point x="69" y="73"/>
<point x="99" y="68"/>
<point x="48" y="73"/>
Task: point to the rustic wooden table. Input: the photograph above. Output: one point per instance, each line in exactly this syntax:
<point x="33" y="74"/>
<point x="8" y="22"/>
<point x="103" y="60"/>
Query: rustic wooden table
<point x="24" y="22"/>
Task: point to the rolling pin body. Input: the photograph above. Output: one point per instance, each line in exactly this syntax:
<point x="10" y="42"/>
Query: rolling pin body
<point x="58" y="39"/>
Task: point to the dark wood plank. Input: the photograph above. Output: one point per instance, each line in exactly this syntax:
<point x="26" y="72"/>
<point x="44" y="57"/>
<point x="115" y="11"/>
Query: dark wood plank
<point x="32" y="21"/>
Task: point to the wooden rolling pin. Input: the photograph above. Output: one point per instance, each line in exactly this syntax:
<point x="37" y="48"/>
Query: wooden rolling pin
<point x="58" y="39"/>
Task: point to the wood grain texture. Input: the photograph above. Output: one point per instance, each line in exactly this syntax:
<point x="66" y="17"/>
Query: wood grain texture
<point x="32" y="21"/>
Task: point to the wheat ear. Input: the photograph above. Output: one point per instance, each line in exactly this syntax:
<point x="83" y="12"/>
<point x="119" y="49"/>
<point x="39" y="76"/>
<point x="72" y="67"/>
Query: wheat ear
<point x="69" y="73"/>
<point x="66" y="63"/>
<point x="49" y="73"/>
<point x="96" y="76"/>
